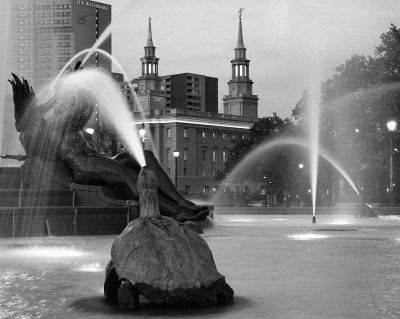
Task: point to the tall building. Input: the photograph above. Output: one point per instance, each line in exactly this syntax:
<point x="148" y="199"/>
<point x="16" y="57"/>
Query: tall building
<point x="190" y="91"/>
<point x="240" y="101"/>
<point x="43" y="36"/>
<point x="48" y="33"/>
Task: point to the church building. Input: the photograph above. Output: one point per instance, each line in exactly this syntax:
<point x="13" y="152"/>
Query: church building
<point x="191" y="141"/>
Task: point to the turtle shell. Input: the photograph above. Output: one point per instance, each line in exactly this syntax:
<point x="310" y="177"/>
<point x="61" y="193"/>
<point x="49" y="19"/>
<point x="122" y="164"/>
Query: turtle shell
<point x="166" y="261"/>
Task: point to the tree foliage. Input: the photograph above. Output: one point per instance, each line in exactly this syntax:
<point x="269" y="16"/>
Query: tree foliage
<point x="358" y="100"/>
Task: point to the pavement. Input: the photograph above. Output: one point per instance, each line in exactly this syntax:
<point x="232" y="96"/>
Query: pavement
<point x="280" y="266"/>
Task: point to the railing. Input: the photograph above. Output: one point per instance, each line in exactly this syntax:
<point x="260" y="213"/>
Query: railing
<point x="192" y="114"/>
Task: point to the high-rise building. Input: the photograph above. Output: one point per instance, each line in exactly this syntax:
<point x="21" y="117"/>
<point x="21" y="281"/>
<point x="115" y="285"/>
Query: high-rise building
<point x="46" y="34"/>
<point x="240" y="101"/>
<point x="190" y="91"/>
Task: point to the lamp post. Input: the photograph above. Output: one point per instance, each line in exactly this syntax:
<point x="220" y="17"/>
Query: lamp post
<point x="391" y="125"/>
<point x="142" y="132"/>
<point x="176" y="155"/>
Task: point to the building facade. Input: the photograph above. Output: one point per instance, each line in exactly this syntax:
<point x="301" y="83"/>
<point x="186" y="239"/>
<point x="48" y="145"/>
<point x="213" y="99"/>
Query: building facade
<point x="190" y="91"/>
<point x="202" y="139"/>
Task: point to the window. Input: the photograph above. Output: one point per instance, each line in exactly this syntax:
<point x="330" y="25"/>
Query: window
<point x="185" y="132"/>
<point x="187" y="188"/>
<point x="204" y="172"/>
<point x="168" y="154"/>
<point x="214" y="135"/>
<point x="185" y="154"/>
<point x="224" y="135"/>
<point x="169" y="132"/>
<point x="185" y="171"/>
<point x="203" y="134"/>
<point x="204" y="155"/>
<point x="224" y="156"/>
<point x="206" y="189"/>
<point x="214" y="156"/>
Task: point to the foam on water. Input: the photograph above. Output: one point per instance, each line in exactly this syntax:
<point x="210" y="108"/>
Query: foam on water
<point x="307" y="236"/>
<point x="93" y="267"/>
<point x="45" y="252"/>
<point x="389" y="217"/>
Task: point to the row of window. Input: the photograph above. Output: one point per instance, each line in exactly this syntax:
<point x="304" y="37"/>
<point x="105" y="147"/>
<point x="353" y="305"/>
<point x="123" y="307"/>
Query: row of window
<point x="18" y="59"/>
<point x="22" y="22"/>
<point x="214" y="152"/>
<point x="64" y="51"/>
<point x="22" y="37"/>
<point x="64" y="44"/>
<point x="23" y="45"/>
<point x="214" y="134"/>
<point x="44" y="67"/>
<point x="190" y="78"/>
<point x="48" y="7"/>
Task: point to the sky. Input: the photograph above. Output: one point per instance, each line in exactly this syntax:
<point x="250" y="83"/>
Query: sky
<point x="292" y="44"/>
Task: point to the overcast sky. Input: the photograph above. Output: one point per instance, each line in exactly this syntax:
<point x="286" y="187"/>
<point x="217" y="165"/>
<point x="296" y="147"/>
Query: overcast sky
<point x="285" y="39"/>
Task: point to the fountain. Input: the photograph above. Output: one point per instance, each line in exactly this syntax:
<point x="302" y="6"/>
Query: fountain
<point x="58" y="147"/>
<point x="266" y="146"/>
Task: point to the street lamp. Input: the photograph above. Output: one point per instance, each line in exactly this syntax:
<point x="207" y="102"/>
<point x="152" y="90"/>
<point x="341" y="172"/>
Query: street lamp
<point x="176" y="155"/>
<point x="142" y="133"/>
<point x="301" y="165"/>
<point x="391" y="125"/>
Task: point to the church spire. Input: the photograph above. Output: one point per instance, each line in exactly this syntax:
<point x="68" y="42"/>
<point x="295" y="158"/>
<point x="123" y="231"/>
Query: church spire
<point x="240" y="50"/>
<point x="241" y="101"/>
<point x="149" y="36"/>
<point x="240" y="44"/>
<point x="149" y="61"/>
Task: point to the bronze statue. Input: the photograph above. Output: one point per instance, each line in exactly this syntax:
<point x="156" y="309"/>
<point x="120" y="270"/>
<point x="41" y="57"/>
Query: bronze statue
<point x="162" y="260"/>
<point x="54" y="131"/>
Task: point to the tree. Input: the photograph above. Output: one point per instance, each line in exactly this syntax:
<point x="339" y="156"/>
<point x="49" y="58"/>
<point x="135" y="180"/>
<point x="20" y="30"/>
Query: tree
<point x="358" y="100"/>
<point x="274" y="168"/>
<point x="266" y="127"/>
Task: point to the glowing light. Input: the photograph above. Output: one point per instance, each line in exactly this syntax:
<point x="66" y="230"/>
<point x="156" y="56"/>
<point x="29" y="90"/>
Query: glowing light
<point x="391" y="125"/>
<point x="89" y="130"/>
<point x="281" y="219"/>
<point x="307" y="236"/>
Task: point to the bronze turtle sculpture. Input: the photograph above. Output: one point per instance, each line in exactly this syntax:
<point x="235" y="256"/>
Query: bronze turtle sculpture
<point x="162" y="259"/>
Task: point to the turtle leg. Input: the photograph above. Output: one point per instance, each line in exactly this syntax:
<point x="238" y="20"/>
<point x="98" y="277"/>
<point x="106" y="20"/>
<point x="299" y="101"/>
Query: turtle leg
<point x="128" y="296"/>
<point x="111" y="283"/>
<point x="225" y="296"/>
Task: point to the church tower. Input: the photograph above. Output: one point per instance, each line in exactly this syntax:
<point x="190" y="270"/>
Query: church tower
<point x="149" y="93"/>
<point x="240" y="100"/>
